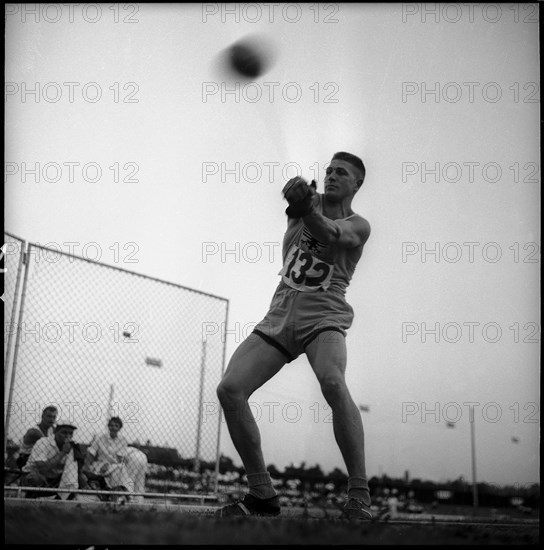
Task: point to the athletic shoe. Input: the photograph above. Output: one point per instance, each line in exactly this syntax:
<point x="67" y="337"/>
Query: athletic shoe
<point x="356" y="509"/>
<point x="252" y="506"/>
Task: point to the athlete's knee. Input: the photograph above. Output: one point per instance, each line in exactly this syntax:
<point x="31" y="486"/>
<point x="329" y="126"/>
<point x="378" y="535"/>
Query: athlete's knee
<point x="333" y="388"/>
<point x="229" y="393"/>
<point x="222" y="391"/>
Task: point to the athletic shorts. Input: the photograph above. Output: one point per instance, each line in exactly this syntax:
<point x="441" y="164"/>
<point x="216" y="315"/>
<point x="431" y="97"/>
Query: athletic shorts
<point x="297" y="318"/>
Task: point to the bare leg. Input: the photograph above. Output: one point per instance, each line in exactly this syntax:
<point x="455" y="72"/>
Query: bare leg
<point x="327" y="356"/>
<point x="252" y="364"/>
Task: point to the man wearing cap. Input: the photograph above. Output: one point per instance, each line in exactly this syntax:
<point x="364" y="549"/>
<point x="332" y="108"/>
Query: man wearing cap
<point x="56" y="461"/>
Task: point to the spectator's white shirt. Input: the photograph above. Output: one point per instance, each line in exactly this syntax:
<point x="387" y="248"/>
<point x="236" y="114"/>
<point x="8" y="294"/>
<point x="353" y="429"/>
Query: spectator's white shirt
<point x="111" y="452"/>
<point x="45" y="449"/>
<point x="107" y="450"/>
<point x="25" y="449"/>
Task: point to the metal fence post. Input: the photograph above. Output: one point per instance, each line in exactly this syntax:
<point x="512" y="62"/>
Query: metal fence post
<point x="199" y="414"/>
<point x="16" y="350"/>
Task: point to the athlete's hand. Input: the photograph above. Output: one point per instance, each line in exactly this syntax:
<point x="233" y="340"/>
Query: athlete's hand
<point x="295" y="189"/>
<point x="300" y="197"/>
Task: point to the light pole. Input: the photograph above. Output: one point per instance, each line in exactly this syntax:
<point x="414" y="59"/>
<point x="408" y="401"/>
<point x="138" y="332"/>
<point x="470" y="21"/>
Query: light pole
<point x="472" y="454"/>
<point x="473" y="457"/>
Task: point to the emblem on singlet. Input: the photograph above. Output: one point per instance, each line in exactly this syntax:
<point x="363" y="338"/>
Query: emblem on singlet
<point x="311" y="243"/>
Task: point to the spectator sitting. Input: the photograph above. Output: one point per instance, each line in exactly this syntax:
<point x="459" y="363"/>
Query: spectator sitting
<point x="56" y="461"/>
<point x="107" y="458"/>
<point x="43" y="429"/>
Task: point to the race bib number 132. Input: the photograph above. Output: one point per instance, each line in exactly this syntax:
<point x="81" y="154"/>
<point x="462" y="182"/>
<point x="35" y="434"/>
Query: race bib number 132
<point x="303" y="271"/>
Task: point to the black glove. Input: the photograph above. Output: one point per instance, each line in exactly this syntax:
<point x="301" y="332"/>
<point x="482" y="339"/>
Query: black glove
<point x="303" y="206"/>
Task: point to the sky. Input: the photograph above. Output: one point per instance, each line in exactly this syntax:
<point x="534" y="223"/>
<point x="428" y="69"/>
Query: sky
<point x="181" y="169"/>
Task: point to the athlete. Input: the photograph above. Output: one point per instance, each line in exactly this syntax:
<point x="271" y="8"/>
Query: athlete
<point x="308" y="314"/>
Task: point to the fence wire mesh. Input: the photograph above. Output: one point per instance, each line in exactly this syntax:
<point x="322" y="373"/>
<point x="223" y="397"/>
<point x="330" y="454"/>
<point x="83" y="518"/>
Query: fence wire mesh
<point x="98" y="341"/>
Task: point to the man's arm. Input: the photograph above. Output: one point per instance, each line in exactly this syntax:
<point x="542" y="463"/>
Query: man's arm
<point x="89" y="459"/>
<point x="91" y="455"/>
<point x="87" y="467"/>
<point x="31" y="436"/>
<point x="343" y="233"/>
<point x="44" y="464"/>
<point x="303" y="200"/>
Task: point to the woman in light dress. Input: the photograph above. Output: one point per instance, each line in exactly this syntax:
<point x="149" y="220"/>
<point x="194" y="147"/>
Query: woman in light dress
<point x="121" y="466"/>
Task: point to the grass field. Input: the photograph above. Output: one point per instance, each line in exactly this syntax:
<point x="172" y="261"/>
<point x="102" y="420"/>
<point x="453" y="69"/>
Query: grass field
<point x="58" y="523"/>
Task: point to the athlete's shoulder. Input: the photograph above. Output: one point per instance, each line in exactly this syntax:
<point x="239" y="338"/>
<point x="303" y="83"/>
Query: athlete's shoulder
<point x="362" y="226"/>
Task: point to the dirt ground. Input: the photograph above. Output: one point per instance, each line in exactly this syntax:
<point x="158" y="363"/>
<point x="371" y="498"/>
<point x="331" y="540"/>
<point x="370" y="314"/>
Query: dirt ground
<point x="57" y="523"/>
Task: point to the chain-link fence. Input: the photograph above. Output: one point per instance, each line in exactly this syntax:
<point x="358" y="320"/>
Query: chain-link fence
<point x="98" y="341"/>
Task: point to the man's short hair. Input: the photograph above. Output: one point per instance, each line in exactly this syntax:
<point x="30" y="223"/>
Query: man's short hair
<point x="51" y="408"/>
<point x="354" y="161"/>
